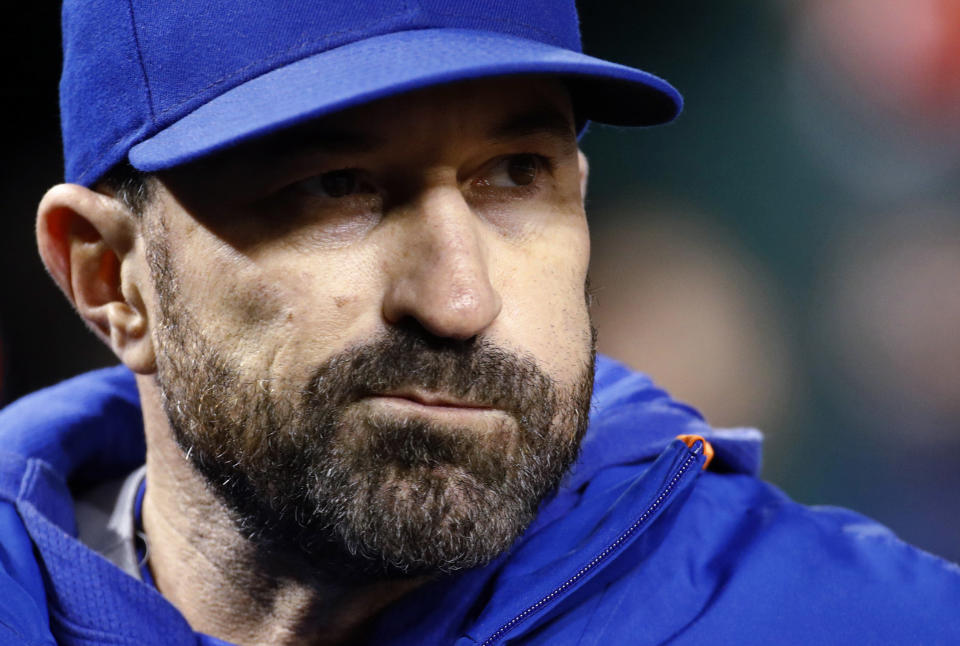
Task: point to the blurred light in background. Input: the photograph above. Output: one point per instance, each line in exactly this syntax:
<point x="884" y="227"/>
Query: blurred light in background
<point x="876" y="91"/>
<point x="890" y="324"/>
<point x="679" y="299"/>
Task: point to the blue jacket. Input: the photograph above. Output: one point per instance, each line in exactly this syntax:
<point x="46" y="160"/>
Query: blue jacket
<point x="640" y="545"/>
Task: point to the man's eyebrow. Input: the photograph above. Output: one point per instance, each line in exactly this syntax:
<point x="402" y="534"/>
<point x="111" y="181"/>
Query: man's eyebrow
<point x="541" y="121"/>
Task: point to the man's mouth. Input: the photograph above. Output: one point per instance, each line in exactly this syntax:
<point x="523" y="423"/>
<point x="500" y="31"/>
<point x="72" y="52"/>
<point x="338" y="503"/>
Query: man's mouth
<point x="437" y="406"/>
<point x="438" y="400"/>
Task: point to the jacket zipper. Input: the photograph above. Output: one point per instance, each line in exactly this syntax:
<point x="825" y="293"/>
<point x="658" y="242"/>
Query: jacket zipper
<point x="695" y="451"/>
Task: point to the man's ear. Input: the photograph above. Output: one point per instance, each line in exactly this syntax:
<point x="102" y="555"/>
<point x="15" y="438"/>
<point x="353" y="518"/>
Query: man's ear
<point x="584" y="167"/>
<point x="91" y="246"/>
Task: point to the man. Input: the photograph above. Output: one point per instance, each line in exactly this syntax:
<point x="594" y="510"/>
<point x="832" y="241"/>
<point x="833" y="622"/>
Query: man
<point x="341" y="252"/>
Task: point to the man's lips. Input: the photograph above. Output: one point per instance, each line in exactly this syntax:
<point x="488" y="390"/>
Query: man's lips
<point x="432" y="400"/>
<point x="438" y="405"/>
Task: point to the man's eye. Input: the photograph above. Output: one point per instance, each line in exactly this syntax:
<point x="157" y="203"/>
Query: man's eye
<point x="337" y="183"/>
<point x="515" y="170"/>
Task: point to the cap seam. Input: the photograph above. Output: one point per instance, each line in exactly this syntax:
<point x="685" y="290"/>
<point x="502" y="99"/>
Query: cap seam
<point x="81" y="175"/>
<point x="143" y="67"/>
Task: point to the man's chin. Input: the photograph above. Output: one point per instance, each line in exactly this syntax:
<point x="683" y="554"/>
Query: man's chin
<point x="414" y="521"/>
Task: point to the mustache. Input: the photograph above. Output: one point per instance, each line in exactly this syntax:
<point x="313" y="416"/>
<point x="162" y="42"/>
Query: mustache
<point x="475" y="371"/>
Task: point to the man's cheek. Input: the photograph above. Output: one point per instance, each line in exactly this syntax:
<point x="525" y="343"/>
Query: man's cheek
<point x="301" y="321"/>
<point x="551" y="324"/>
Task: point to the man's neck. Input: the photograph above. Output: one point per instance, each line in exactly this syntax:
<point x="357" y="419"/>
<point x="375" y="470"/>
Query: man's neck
<point x="218" y="580"/>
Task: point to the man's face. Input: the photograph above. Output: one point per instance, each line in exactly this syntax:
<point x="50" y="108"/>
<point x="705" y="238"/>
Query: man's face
<point x="371" y="331"/>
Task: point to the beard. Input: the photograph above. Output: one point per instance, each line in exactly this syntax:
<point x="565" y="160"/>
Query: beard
<point x="312" y="473"/>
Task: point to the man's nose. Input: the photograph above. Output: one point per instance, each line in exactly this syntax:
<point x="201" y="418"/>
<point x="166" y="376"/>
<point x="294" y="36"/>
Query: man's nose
<point x="440" y="275"/>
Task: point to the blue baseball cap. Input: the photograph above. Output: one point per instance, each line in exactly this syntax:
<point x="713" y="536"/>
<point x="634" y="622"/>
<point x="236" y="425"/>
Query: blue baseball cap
<point x="161" y="83"/>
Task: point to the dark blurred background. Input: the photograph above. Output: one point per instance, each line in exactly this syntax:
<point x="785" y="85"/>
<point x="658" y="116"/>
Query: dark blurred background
<point x="786" y="255"/>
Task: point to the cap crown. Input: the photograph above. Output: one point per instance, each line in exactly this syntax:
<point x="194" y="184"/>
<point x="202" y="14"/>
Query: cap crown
<point x="132" y="67"/>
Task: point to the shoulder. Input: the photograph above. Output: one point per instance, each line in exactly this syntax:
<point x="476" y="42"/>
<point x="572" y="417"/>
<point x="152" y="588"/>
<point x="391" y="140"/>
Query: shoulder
<point x="94" y="395"/>
<point x="60" y="431"/>
<point x="23" y="613"/>
<point x="70" y="426"/>
<point x="770" y="570"/>
<point x="762" y="527"/>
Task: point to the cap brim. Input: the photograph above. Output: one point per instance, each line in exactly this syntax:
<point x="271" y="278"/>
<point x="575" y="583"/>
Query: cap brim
<point x="387" y="65"/>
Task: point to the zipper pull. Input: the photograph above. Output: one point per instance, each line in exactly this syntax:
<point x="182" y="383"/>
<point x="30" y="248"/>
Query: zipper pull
<point x="697" y="444"/>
